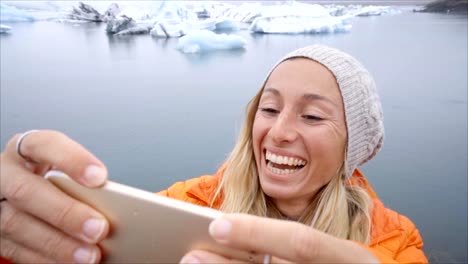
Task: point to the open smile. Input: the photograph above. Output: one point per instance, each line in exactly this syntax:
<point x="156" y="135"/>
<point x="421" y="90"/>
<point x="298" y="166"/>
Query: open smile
<point x="283" y="165"/>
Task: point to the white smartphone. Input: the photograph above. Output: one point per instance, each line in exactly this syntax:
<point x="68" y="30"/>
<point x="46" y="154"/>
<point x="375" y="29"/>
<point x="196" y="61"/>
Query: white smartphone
<point x="146" y="227"/>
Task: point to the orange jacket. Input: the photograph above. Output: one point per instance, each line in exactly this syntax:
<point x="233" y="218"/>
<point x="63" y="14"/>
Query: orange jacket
<point x="394" y="238"/>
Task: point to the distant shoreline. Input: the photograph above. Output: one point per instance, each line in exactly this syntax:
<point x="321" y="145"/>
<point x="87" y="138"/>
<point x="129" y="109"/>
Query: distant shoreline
<point x="344" y="2"/>
<point x="369" y="2"/>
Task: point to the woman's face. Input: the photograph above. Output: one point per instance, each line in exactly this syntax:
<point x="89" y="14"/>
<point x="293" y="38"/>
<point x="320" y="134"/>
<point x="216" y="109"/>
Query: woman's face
<point x="299" y="132"/>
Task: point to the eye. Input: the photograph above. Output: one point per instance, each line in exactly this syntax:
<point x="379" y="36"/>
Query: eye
<point x="312" y="118"/>
<point x="269" y="110"/>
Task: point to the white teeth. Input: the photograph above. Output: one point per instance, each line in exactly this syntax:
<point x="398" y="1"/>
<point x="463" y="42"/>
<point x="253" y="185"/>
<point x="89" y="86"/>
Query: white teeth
<point x="284" y="160"/>
<point x="280" y="171"/>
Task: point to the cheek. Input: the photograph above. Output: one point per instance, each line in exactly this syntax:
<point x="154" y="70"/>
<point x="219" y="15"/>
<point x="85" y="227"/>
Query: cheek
<point x="327" y="146"/>
<point x="259" y="130"/>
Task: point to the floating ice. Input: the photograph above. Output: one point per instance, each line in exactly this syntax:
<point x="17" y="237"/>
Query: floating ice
<point x="168" y="29"/>
<point x="245" y="13"/>
<point x="4" y="29"/>
<point x="137" y="30"/>
<point x="174" y="10"/>
<point x="226" y="24"/>
<point x="205" y="40"/>
<point x="111" y="13"/>
<point x="373" y="11"/>
<point x="299" y="25"/>
<point x="358" y="10"/>
<point x="13" y="14"/>
<point x="295" y="9"/>
<point x="119" y="24"/>
<point x="85" y="12"/>
<point x="171" y="28"/>
<point x="178" y="18"/>
<point x="175" y="28"/>
<point x="298" y="18"/>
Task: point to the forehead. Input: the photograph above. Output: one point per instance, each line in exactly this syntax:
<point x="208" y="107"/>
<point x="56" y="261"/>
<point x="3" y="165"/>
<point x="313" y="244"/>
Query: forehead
<point x="302" y="76"/>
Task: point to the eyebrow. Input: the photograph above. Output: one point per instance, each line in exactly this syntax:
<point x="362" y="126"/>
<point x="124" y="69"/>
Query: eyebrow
<point x="308" y="96"/>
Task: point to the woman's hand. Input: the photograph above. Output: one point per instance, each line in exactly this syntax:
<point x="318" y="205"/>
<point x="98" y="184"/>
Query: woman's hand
<point x="38" y="222"/>
<point x="288" y="242"/>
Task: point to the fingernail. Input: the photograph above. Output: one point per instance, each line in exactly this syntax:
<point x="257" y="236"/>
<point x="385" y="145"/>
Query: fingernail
<point x="84" y="255"/>
<point x="220" y="228"/>
<point x="189" y="260"/>
<point x="93" y="228"/>
<point x="95" y="175"/>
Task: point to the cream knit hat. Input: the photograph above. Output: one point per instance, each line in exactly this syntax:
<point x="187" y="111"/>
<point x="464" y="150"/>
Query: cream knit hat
<point x="363" y="111"/>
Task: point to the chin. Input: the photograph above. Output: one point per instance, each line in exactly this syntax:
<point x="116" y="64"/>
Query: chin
<point x="278" y="190"/>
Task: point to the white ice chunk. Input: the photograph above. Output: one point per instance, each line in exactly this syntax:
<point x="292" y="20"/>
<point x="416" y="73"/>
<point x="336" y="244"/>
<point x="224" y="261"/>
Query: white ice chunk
<point x="37" y="5"/>
<point x="205" y="40"/>
<point x="175" y="28"/>
<point x="226" y="24"/>
<point x="373" y="11"/>
<point x="295" y="9"/>
<point x="208" y="24"/>
<point x="13" y="14"/>
<point x="359" y="10"/>
<point x="174" y="10"/>
<point x="298" y="18"/>
<point x="4" y="29"/>
<point x="299" y="25"/>
<point x="112" y="11"/>
<point x="168" y="29"/>
<point x="119" y="24"/>
<point x="85" y="12"/>
<point x="136" y="30"/>
<point x="245" y="13"/>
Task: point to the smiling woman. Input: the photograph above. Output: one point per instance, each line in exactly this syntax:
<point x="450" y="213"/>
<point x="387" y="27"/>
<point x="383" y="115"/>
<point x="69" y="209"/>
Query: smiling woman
<point x="316" y="118"/>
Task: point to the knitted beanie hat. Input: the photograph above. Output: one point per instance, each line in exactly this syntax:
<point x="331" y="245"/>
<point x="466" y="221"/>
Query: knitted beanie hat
<point x="363" y="111"/>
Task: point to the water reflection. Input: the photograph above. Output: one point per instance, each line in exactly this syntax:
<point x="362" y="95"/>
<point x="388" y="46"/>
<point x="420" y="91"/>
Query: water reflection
<point x="121" y="46"/>
<point x="164" y="43"/>
<point x="204" y="57"/>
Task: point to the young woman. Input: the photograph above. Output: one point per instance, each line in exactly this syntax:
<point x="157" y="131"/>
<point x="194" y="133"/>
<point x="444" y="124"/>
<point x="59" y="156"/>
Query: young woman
<point x="291" y="182"/>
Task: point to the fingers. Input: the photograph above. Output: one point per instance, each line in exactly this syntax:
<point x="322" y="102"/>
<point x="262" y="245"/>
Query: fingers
<point x="284" y="239"/>
<point x="19" y="254"/>
<point x="42" y="239"/>
<point x="38" y="197"/>
<point x="55" y="149"/>
<point x="200" y="256"/>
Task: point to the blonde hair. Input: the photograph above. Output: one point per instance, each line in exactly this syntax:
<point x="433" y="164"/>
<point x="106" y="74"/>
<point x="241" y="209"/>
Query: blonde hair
<point x="339" y="209"/>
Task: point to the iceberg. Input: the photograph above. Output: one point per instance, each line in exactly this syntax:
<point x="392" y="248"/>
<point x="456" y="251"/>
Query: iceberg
<point x="358" y="10"/>
<point x="298" y="18"/>
<point x="300" y="25"/>
<point x="169" y="10"/>
<point x="168" y="29"/>
<point x="13" y="14"/>
<point x="85" y="12"/>
<point x="226" y="24"/>
<point x="244" y="13"/>
<point x="175" y="28"/>
<point x="111" y="13"/>
<point x="374" y="11"/>
<point x="137" y="30"/>
<point x="205" y="40"/>
<point x="119" y="24"/>
<point x="169" y="19"/>
<point x="4" y="29"/>
<point x="295" y="9"/>
<point x="125" y="25"/>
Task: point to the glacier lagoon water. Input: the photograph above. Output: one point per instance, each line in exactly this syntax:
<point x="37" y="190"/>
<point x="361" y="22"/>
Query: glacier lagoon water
<point x="156" y="116"/>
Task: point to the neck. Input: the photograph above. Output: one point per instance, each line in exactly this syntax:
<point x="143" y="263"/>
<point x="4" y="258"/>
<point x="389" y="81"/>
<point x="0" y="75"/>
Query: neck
<point x="292" y="209"/>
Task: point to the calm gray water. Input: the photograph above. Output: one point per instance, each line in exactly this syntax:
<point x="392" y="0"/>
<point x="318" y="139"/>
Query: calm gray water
<point x="156" y="116"/>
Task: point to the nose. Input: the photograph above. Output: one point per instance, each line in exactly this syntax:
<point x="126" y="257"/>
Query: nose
<point x="284" y="128"/>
